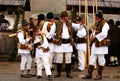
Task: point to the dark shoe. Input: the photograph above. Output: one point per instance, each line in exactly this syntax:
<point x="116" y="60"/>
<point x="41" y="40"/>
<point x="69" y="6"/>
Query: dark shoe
<point x="22" y="76"/>
<point x="38" y="77"/>
<point x="57" y="75"/>
<point x="33" y="75"/>
<point x="98" y="77"/>
<point x="87" y="77"/>
<point x="69" y="76"/>
<point x="49" y="77"/>
<point x="25" y="76"/>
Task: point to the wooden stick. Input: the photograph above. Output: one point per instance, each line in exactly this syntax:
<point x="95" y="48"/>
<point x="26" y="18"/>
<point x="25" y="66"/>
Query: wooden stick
<point x="79" y="8"/>
<point x="96" y="5"/>
<point x="93" y="10"/>
<point x="14" y="34"/>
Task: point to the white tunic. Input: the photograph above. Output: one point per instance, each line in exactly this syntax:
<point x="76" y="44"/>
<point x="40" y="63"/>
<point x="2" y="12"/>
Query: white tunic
<point x="39" y="52"/>
<point x="100" y="37"/>
<point x="22" y="41"/>
<point x="65" y="35"/>
<point x="50" y="35"/>
<point x="81" y="34"/>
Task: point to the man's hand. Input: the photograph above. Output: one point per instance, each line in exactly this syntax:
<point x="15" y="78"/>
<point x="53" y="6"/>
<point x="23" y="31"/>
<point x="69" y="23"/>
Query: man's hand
<point x="38" y="47"/>
<point x="92" y="37"/>
<point x="30" y="38"/>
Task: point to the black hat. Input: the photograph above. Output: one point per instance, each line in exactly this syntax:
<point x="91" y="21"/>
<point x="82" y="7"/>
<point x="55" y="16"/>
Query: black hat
<point x="117" y="23"/>
<point x="50" y="15"/>
<point x="41" y="17"/>
<point x="24" y="23"/>
<point x="64" y="14"/>
<point x="99" y="14"/>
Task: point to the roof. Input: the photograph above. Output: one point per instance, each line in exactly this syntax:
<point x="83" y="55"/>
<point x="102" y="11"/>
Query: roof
<point x="12" y="2"/>
<point x="101" y="3"/>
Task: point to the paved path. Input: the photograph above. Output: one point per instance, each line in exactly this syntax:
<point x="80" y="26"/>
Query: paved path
<point x="9" y="71"/>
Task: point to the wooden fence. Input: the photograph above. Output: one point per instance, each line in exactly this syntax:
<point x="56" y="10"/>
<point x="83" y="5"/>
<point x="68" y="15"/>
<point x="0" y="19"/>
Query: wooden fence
<point x="6" y="44"/>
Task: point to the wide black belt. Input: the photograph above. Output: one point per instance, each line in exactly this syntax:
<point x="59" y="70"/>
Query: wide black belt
<point x="65" y="41"/>
<point x="80" y="40"/>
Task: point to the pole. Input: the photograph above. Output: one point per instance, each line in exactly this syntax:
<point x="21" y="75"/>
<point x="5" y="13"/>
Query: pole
<point x="87" y="27"/>
<point x="96" y="4"/>
<point x="79" y="8"/>
<point x="93" y="4"/>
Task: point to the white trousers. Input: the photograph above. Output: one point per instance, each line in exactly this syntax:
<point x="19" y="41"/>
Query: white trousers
<point x="59" y="57"/>
<point x="99" y="57"/>
<point x="26" y="61"/>
<point x="43" y="61"/>
<point x="51" y="58"/>
<point x="81" y="60"/>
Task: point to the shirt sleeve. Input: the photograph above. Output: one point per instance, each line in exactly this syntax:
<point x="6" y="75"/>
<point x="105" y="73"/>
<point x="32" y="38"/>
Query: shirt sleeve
<point x="81" y="33"/>
<point x="76" y="26"/>
<point x="104" y="32"/>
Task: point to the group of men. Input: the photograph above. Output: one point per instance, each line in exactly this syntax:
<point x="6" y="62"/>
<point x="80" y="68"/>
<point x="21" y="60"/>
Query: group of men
<point x="59" y="44"/>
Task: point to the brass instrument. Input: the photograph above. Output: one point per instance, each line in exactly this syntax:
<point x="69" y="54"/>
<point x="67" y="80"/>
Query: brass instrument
<point x="14" y="34"/>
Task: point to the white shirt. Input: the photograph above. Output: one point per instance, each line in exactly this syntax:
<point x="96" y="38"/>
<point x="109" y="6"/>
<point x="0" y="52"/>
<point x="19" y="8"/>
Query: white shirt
<point x="65" y="34"/>
<point x="22" y="41"/>
<point x="81" y="34"/>
<point x="102" y="35"/>
<point x="39" y="52"/>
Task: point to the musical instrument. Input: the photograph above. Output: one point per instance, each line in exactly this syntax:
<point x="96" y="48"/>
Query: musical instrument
<point x="14" y="34"/>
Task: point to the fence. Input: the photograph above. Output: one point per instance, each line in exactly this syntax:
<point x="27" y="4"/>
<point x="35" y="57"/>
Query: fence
<point x="6" y="44"/>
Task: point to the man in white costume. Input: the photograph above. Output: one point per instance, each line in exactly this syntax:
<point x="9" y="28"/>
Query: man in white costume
<point x="45" y="27"/>
<point x="81" y="43"/>
<point x="42" y="53"/>
<point x="50" y="27"/>
<point x="99" y="46"/>
<point x="63" y="44"/>
<point x="24" y="48"/>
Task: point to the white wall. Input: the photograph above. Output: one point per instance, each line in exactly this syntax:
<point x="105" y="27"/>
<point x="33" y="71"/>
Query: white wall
<point x="48" y="5"/>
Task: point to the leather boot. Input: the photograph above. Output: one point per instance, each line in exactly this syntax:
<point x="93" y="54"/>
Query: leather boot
<point x="68" y="71"/>
<point x="89" y="75"/>
<point x="59" y="67"/>
<point x="99" y="75"/>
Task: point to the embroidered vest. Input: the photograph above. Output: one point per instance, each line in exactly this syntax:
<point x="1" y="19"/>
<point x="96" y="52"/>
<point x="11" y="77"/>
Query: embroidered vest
<point x="58" y="39"/>
<point x="98" y="29"/>
<point x="41" y="42"/>
<point x="26" y="35"/>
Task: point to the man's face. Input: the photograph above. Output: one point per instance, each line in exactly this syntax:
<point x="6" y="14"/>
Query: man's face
<point x="32" y="20"/>
<point x="65" y="19"/>
<point x="26" y="27"/>
<point x="37" y="32"/>
<point x="82" y="21"/>
<point x="96" y="18"/>
<point x="77" y="21"/>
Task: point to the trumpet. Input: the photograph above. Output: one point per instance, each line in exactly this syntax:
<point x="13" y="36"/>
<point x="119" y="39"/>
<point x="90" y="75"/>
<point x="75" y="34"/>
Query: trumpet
<point x="14" y="34"/>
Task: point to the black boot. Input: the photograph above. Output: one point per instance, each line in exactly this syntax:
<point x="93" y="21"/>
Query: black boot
<point x="89" y="75"/>
<point x="68" y="71"/>
<point x="59" y="67"/>
<point x="99" y="75"/>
